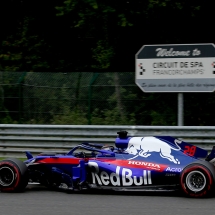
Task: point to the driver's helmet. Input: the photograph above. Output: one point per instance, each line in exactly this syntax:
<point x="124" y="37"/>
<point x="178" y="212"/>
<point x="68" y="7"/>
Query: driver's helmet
<point x="108" y="148"/>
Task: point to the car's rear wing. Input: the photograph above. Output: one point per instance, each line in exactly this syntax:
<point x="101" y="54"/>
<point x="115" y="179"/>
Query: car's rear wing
<point x="211" y="155"/>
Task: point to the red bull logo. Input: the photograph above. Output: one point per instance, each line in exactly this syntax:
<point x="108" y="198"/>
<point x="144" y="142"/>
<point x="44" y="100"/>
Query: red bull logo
<point x="144" y="146"/>
<point x="115" y="179"/>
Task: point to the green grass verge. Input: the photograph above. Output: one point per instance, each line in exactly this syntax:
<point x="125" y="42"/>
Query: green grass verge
<point x="22" y="159"/>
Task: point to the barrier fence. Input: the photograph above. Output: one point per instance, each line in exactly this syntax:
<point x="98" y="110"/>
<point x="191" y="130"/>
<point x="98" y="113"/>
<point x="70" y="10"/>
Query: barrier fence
<point x="17" y="138"/>
<point x="90" y="98"/>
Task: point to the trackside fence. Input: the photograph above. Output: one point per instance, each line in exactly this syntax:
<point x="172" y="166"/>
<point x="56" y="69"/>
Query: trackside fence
<point x="17" y="138"/>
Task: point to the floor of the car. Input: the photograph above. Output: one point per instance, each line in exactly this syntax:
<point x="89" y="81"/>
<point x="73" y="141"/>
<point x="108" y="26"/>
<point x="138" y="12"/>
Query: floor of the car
<point x="138" y="188"/>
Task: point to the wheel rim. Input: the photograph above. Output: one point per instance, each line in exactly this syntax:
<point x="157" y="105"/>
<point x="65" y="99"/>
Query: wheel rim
<point x="6" y="176"/>
<point x="196" y="181"/>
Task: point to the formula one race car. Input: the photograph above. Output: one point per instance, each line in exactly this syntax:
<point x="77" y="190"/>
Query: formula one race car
<point x="155" y="163"/>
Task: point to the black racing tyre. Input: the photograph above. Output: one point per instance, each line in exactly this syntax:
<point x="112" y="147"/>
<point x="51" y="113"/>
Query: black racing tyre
<point x="13" y="175"/>
<point x="196" y="181"/>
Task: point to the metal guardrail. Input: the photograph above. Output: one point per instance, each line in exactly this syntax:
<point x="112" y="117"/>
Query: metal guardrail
<point x="16" y="138"/>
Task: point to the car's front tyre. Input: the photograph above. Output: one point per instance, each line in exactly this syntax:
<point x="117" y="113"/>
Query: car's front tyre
<point x="13" y="175"/>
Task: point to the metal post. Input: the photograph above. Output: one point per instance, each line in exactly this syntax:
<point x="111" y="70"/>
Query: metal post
<point x="180" y="109"/>
<point x="95" y="75"/>
<point x="20" y="85"/>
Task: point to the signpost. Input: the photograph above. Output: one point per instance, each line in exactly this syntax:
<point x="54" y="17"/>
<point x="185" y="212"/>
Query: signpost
<point x="176" y="68"/>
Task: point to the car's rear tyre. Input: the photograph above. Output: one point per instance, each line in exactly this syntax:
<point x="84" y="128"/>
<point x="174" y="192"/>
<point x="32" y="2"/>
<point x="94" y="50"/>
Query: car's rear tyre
<point x="13" y="175"/>
<point x="196" y="181"/>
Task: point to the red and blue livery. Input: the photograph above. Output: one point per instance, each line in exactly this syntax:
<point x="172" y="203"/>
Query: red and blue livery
<point x="154" y="163"/>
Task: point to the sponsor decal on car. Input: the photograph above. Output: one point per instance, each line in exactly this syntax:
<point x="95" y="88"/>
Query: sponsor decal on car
<point x="137" y="164"/>
<point x="127" y="178"/>
<point x="142" y="164"/>
<point x="145" y="146"/>
<point x="170" y="174"/>
<point x="169" y="169"/>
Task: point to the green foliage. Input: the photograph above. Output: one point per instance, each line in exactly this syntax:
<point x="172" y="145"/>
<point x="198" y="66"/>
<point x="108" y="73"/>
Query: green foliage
<point x="161" y="118"/>
<point x="105" y="117"/>
<point x="111" y="117"/>
<point x="58" y="98"/>
<point x="5" y="118"/>
<point x="75" y="117"/>
<point x="67" y="38"/>
<point x="102" y="53"/>
<point x="73" y="35"/>
<point x="22" y="52"/>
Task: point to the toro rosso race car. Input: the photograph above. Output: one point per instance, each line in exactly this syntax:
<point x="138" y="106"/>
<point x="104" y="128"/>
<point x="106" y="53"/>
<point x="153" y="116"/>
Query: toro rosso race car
<point x="155" y="163"/>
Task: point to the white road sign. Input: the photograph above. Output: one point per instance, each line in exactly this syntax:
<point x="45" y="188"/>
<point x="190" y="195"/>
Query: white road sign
<point x="176" y="68"/>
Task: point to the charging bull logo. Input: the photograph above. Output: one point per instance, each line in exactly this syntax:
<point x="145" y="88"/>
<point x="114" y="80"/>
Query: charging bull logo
<point x="144" y="146"/>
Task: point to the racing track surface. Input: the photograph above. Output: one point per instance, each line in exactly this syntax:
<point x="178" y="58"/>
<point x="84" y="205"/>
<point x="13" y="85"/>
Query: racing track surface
<point x="38" y="201"/>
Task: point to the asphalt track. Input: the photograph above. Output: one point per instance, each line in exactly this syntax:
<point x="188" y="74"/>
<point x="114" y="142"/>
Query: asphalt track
<point x="38" y="201"/>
